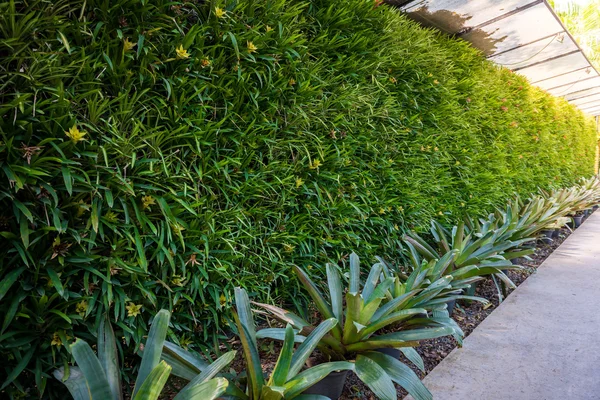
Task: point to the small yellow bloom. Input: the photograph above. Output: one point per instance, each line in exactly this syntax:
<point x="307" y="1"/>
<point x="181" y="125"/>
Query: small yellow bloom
<point x="81" y="307"/>
<point x="288" y="248"/>
<point x="75" y="134"/>
<point x="133" y="310"/>
<point x="315" y="164"/>
<point x="127" y="45"/>
<point x="462" y="204"/>
<point x="251" y="47"/>
<point x="435" y="148"/>
<point x="205" y="62"/>
<point x="299" y="182"/>
<point x="222" y="300"/>
<point x="436" y="82"/>
<point x="178" y="281"/>
<point x="381" y="211"/>
<point x="457" y="162"/>
<point x="396" y="227"/>
<point x="111" y="217"/>
<point x="269" y="29"/>
<point x="56" y="341"/>
<point x="148" y="201"/>
<point x="219" y="12"/>
<point x="292" y="81"/>
<point x="181" y="52"/>
<point x="393" y="80"/>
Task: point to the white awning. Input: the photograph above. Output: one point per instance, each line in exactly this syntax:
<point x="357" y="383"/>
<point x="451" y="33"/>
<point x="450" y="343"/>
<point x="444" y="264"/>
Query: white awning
<point x="525" y="36"/>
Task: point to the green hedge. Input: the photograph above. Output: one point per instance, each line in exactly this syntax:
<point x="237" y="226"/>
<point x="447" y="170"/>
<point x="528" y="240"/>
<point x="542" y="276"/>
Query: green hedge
<point x="279" y="133"/>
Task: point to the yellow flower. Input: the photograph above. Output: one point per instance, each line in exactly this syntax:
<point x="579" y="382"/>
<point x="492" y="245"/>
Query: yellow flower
<point x="396" y="227"/>
<point x="81" y="307"/>
<point x="381" y="211"/>
<point x="177" y="281"/>
<point x="148" y="201"/>
<point x="393" y="80"/>
<point x="440" y="213"/>
<point x="75" y="134"/>
<point x="436" y="82"/>
<point x="111" y="217"/>
<point x="435" y="148"/>
<point x="219" y="12"/>
<point x="315" y="164"/>
<point x="127" y="45"/>
<point x="205" y="62"/>
<point x="251" y="47"/>
<point x="299" y="182"/>
<point x="288" y="248"/>
<point x="222" y="300"/>
<point x="133" y="309"/>
<point x="269" y="29"/>
<point x="56" y="341"/>
<point x="181" y="52"/>
<point x="292" y="81"/>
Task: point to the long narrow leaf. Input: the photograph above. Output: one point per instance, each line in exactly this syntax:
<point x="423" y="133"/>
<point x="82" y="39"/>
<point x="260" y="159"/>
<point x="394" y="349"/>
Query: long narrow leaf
<point x="107" y="354"/>
<point x="153" y="347"/>
<point x="92" y="370"/>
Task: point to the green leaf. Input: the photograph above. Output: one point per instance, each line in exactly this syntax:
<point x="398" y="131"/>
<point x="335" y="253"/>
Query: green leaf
<point x="307" y="347"/>
<point x="210" y="390"/>
<point x="185" y="365"/>
<point x="76" y="383"/>
<point x="414" y="357"/>
<point x="140" y="45"/>
<point x="153" y="348"/>
<point x="92" y="370"/>
<point x="208" y="373"/>
<point x="109" y="358"/>
<point x="55" y="281"/>
<point x="9" y="280"/>
<point x="19" y="367"/>
<point x="371" y="281"/>
<point x="242" y="304"/>
<point x="153" y="384"/>
<point x="66" y="173"/>
<point x="253" y="364"/>
<point x="311" y="376"/>
<point x="282" y="367"/>
<point x="335" y="292"/>
<point x="23" y="210"/>
<point x="401" y="374"/>
<point x="317" y="297"/>
<point x="354" y="273"/>
<point x="375" y="377"/>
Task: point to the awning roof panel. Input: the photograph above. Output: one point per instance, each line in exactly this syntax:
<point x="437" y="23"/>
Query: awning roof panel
<point x="538" y="50"/>
<point x="523" y="35"/>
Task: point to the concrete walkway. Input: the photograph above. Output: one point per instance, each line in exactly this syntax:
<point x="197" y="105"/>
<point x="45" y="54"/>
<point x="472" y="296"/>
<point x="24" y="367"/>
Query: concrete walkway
<point x="543" y="341"/>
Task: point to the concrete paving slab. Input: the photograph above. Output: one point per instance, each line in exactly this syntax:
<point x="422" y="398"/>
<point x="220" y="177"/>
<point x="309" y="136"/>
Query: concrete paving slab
<point x="543" y="341"/>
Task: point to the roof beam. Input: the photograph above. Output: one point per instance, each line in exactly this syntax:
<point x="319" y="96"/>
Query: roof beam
<point x="501" y="17"/>
<point x="525" y="44"/>
<point x="548" y="59"/>
<point x="564" y="73"/>
<point x="572" y="83"/>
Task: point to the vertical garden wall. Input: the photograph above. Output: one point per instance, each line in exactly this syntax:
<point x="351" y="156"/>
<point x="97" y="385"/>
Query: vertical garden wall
<point x="156" y="154"/>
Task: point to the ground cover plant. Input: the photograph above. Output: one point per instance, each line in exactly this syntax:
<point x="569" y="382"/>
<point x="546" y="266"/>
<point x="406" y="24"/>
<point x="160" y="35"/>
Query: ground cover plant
<point x="158" y="154"/>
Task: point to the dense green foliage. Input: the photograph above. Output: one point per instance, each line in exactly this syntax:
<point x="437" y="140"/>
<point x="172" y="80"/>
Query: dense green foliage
<point x="226" y="141"/>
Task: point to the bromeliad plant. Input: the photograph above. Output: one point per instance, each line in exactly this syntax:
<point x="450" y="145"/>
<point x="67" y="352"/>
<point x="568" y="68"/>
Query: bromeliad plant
<point x="286" y="380"/>
<point x="482" y="250"/>
<point x="99" y="377"/>
<point x="382" y="302"/>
